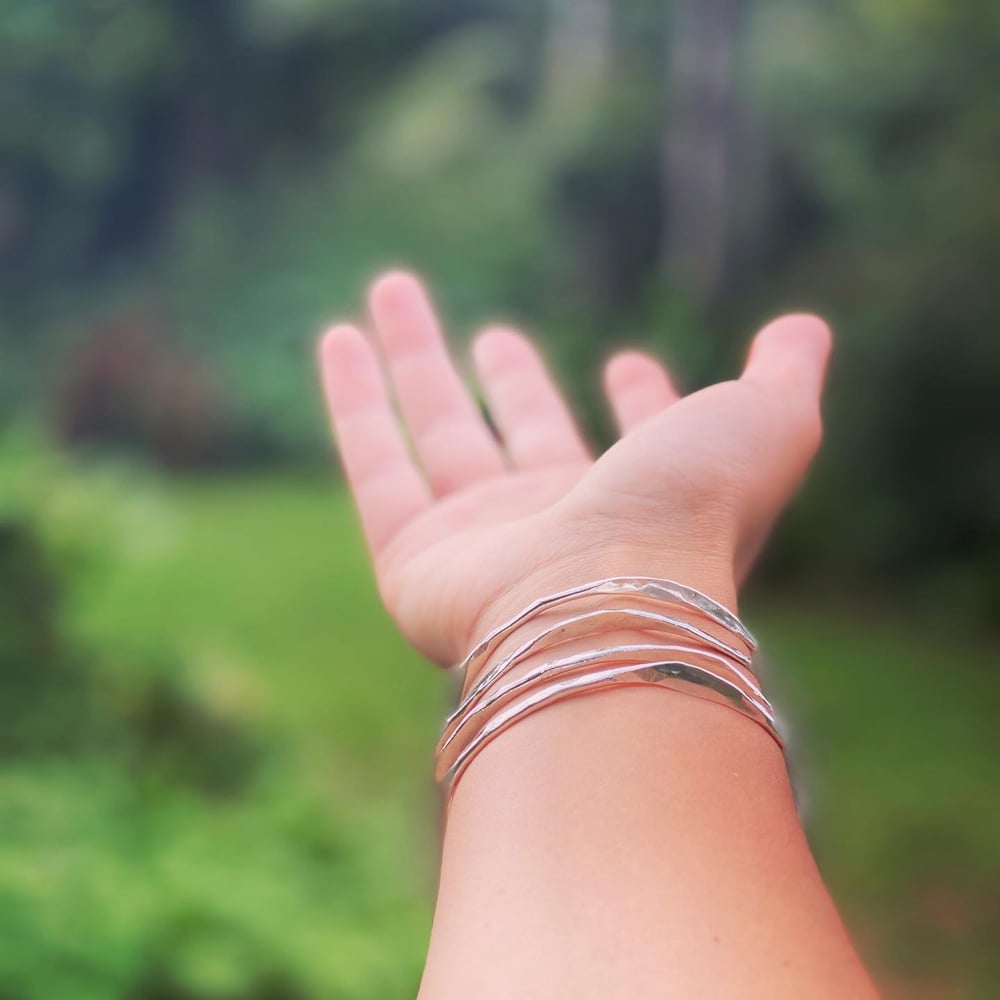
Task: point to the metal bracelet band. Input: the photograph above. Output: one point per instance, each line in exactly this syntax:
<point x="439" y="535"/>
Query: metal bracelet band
<point x="645" y="586"/>
<point x="641" y="586"/>
<point x="565" y="629"/>
<point x="633" y="654"/>
<point x="670" y="675"/>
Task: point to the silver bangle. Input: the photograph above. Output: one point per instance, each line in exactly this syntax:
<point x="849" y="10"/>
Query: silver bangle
<point x="484" y="713"/>
<point x="671" y="675"/>
<point x="632" y="653"/>
<point x="626" y="614"/>
<point x="642" y="586"/>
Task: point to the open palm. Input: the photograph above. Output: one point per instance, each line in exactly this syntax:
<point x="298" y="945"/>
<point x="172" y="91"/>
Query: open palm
<point x="464" y="526"/>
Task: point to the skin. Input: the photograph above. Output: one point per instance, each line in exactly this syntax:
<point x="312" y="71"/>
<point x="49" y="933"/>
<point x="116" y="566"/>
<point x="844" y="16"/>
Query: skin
<point x="637" y="844"/>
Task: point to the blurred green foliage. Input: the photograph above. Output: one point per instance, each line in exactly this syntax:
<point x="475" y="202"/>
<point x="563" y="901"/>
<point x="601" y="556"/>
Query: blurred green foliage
<point x="197" y="795"/>
<point x="205" y="793"/>
<point x="236" y="808"/>
<point x="226" y="175"/>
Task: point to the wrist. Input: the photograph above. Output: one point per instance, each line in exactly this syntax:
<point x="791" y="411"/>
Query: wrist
<point x="647" y="741"/>
<point x="712" y="577"/>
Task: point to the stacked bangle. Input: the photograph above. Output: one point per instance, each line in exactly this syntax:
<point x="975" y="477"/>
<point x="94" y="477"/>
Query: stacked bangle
<point x="706" y="665"/>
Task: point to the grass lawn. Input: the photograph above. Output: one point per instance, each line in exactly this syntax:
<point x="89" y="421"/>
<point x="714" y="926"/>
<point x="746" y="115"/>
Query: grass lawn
<point x="259" y="591"/>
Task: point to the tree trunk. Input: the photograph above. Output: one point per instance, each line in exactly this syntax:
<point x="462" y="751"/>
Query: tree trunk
<point x="579" y="46"/>
<point x="701" y="99"/>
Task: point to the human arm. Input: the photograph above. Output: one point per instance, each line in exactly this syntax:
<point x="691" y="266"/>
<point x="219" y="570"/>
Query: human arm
<point x="634" y="844"/>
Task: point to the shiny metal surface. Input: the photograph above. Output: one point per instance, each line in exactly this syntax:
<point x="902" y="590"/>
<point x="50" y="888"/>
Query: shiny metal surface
<point x="567" y="629"/>
<point x="635" y="654"/>
<point x="706" y="665"/>
<point x="670" y="675"/>
<point x="643" y="586"/>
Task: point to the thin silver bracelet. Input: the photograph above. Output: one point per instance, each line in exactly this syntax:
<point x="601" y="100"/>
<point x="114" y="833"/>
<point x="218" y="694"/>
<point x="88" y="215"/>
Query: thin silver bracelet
<point x="632" y="653"/>
<point x="642" y="586"/>
<point x="730" y="681"/>
<point x="670" y="675"/>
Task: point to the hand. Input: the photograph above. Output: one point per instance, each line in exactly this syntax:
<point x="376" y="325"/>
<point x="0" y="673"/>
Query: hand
<point x="465" y="530"/>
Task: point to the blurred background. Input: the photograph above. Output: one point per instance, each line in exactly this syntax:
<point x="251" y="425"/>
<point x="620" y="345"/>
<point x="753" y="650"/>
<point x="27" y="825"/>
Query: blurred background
<point x="214" y="750"/>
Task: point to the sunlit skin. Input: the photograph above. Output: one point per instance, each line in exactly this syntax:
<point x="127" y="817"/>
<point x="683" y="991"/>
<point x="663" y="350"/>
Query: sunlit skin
<point x="632" y="844"/>
<point x="466" y="524"/>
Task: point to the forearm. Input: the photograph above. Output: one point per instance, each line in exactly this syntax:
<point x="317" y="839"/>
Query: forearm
<point x="635" y="843"/>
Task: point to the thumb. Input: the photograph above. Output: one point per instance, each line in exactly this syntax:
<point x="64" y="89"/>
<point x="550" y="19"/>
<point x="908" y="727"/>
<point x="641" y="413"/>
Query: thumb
<point x="789" y="358"/>
<point x="787" y="362"/>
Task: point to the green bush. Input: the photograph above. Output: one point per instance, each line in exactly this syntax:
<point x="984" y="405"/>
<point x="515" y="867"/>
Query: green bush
<point x="159" y="838"/>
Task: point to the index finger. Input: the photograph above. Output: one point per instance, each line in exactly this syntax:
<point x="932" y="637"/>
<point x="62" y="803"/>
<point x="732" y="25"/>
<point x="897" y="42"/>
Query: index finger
<point x="388" y="489"/>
